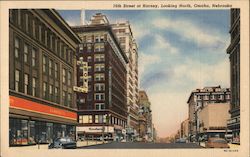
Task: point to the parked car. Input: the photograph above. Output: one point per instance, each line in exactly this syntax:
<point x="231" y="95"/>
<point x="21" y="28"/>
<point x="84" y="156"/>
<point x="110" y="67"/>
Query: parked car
<point x="63" y="142"/>
<point x="181" y="140"/>
<point x="216" y="142"/>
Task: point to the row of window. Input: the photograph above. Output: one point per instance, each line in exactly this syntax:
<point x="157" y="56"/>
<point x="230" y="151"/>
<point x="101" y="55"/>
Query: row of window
<point x="97" y="77"/>
<point x="83" y="119"/>
<point x="98" y="47"/>
<point x="93" y="38"/>
<point x="29" y="53"/>
<point x="97" y="96"/>
<point x="32" y="26"/>
<point x="30" y="84"/>
<point x="97" y="58"/>
<point x="213" y="97"/>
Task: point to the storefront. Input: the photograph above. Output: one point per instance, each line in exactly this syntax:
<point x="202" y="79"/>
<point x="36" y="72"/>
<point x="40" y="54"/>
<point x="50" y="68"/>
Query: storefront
<point x="32" y="123"/>
<point x="26" y="132"/>
<point x="95" y="132"/>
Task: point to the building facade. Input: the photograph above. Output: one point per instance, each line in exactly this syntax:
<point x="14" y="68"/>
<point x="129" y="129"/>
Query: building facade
<point x="213" y="120"/>
<point x="198" y="99"/>
<point x="102" y="111"/>
<point x="42" y="63"/>
<point x="234" y="55"/>
<point x="127" y="42"/>
<point x="145" y="110"/>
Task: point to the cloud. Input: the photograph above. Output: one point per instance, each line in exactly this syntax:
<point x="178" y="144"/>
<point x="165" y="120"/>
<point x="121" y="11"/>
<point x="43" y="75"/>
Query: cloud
<point x="204" y="37"/>
<point x="163" y="43"/>
<point x="146" y="61"/>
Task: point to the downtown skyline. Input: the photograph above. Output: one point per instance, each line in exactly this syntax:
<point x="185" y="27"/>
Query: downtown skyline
<point x="174" y="60"/>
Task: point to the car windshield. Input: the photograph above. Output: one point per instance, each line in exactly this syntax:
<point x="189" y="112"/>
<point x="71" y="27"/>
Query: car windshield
<point x="64" y="140"/>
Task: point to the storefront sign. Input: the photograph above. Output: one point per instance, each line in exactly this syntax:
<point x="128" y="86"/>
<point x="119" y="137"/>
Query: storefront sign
<point x="23" y="104"/>
<point x="99" y="129"/>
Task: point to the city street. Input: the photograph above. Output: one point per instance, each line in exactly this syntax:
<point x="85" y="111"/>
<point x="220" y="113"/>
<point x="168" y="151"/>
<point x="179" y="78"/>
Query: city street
<point x="140" y="145"/>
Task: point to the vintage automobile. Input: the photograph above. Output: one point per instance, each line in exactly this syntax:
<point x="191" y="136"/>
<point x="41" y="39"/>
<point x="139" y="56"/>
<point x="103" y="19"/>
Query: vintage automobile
<point x="216" y="142"/>
<point x="63" y="143"/>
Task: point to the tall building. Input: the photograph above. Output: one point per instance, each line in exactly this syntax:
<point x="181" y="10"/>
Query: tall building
<point x="145" y="110"/>
<point x="102" y="111"/>
<point x="42" y="63"/>
<point x="198" y="99"/>
<point x="234" y="55"/>
<point x="127" y="42"/>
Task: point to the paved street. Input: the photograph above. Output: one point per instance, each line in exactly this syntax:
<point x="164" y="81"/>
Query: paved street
<point x="139" y="145"/>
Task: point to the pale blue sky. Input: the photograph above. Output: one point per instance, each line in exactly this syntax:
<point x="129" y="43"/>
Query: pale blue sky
<point x="179" y="51"/>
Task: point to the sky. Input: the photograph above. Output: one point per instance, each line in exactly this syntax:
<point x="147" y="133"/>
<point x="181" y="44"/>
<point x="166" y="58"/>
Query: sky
<point x="179" y="51"/>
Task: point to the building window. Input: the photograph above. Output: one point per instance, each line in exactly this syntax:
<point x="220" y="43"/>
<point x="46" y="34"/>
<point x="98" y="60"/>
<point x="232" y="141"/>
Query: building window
<point x="89" y="78"/>
<point x="99" y="77"/>
<point x="89" y="39"/>
<point x="99" y="57"/>
<point x="51" y="92"/>
<point x="26" y="83"/>
<point x="85" y="119"/>
<point x="99" y="67"/>
<point x="45" y="90"/>
<point x="99" y="106"/>
<point x="50" y="67"/>
<point x="99" y="87"/>
<point x="89" y="47"/>
<point x="56" y="95"/>
<point x="69" y="78"/>
<point x="69" y="99"/>
<point x="17" y="48"/>
<point x="17" y="80"/>
<point x="99" y="47"/>
<point x="64" y="75"/>
<point x="99" y="119"/>
<point x="99" y="96"/>
<point x="26" y="53"/>
<point x="44" y="64"/>
<point x="33" y="86"/>
<point x="89" y="68"/>
<point x="65" y="98"/>
<point x="33" y="60"/>
<point x="89" y="59"/>
<point x="56" y="71"/>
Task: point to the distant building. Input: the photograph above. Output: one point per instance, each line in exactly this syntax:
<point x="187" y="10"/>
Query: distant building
<point x="200" y="98"/>
<point x="127" y="42"/>
<point x="234" y="51"/>
<point x="102" y="112"/>
<point x="213" y="120"/>
<point x="185" y="128"/>
<point x="145" y="110"/>
<point x="42" y="70"/>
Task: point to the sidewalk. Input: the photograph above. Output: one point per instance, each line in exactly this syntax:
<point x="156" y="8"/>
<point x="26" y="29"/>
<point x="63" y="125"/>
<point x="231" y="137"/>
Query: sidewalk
<point x="45" y="146"/>
<point x="89" y="143"/>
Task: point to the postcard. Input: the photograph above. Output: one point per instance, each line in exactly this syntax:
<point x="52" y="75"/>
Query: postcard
<point x="125" y="78"/>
